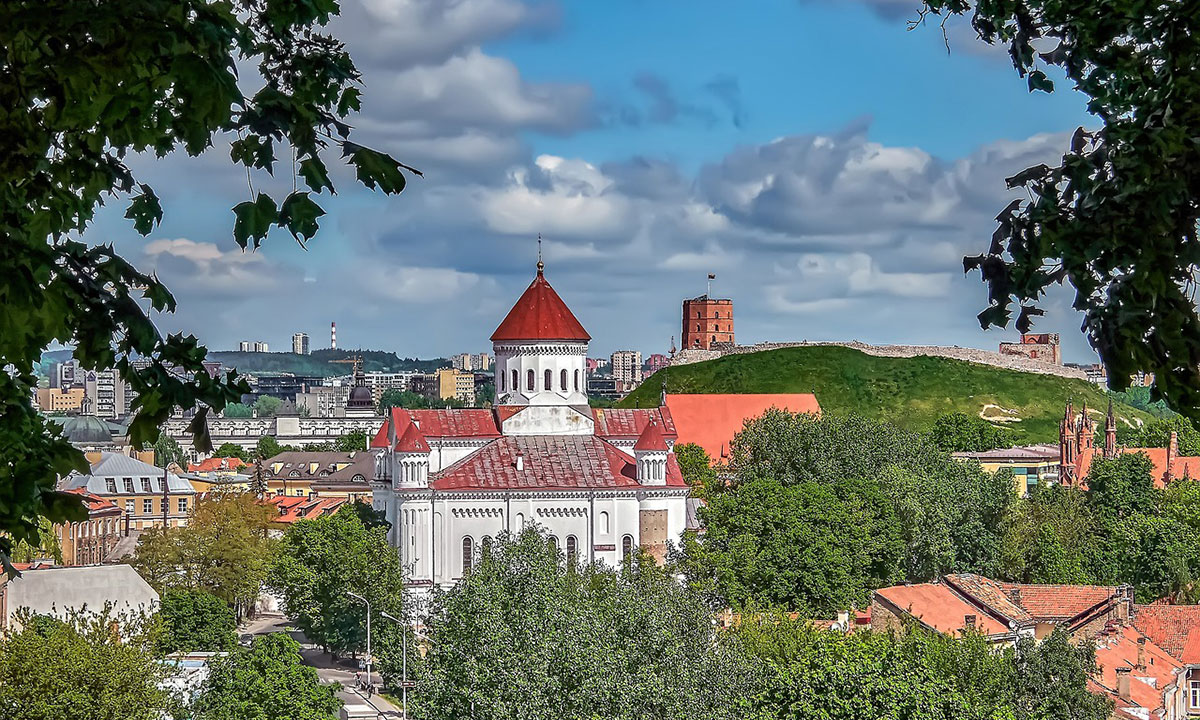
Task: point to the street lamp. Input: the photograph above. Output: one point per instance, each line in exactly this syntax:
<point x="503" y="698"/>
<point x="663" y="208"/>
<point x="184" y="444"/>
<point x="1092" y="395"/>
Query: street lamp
<point x="403" y="662"/>
<point x="364" y="601"/>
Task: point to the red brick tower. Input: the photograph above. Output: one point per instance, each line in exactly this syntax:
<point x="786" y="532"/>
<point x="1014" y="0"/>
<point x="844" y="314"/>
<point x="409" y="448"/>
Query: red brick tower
<point x="707" y="323"/>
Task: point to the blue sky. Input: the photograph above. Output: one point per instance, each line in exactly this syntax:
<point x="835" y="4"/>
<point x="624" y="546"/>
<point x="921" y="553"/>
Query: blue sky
<point x="829" y="165"/>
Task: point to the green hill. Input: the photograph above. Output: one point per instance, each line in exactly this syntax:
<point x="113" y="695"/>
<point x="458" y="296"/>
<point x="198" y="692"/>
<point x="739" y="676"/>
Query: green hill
<point x="910" y="392"/>
<point x="321" y="362"/>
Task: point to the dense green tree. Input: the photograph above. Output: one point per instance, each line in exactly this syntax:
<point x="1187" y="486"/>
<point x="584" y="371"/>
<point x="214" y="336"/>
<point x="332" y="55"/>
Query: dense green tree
<point x="960" y="432"/>
<point x="1047" y="537"/>
<point x="695" y="465"/>
<point x="232" y="450"/>
<point x="525" y="634"/>
<point x="167" y="451"/>
<point x="351" y="442"/>
<point x="813" y="674"/>
<point x="1122" y="486"/>
<point x="1156" y="554"/>
<point x="267" y="447"/>
<point x="238" y="410"/>
<point x="1117" y="218"/>
<point x="82" y="88"/>
<point x="267" y="405"/>
<point x="49" y="546"/>
<point x="196" y="621"/>
<point x="318" y="561"/>
<point x="1157" y="434"/>
<point x="101" y="666"/>
<point x="224" y="550"/>
<point x="267" y="681"/>
<point x="485" y="395"/>
<point x="819" y="511"/>
<point x="394" y="397"/>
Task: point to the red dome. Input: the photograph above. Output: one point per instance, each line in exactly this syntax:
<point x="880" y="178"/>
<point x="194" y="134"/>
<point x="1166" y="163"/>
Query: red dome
<point x="540" y="314"/>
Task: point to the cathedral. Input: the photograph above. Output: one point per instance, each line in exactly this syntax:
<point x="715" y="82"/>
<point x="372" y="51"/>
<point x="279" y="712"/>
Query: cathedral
<point x="600" y="482"/>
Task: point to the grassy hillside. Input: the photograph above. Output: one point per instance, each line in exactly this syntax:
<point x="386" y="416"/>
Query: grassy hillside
<point x="910" y="392"/>
<point x="320" y="362"/>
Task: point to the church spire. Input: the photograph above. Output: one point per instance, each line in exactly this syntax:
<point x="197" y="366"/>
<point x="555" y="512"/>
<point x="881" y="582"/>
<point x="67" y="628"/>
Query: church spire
<point x="1110" y="432"/>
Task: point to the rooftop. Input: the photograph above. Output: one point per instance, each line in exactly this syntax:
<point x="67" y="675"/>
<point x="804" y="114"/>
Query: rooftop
<point x="540" y="314"/>
<point x="711" y="420"/>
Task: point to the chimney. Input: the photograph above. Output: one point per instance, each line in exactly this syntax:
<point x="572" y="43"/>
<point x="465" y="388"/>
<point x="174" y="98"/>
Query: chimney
<point x="1141" y="656"/>
<point x="969" y="623"/>
<point x="1123" y="683"/>
<point x="1172" y="451"/>
<point x="520" y="462"/>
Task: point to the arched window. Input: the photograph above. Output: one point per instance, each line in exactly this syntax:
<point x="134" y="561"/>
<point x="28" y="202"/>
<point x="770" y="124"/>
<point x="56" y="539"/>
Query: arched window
<point x="572" y="548"/>
<point x="520" y="521"/>
<point x="718" y="315"/>
<point x="515" y="385"/>
<point x="485" y="545"/>
<point x="604" y="526"/>
<point x="547" y="376"/>
<point x="468" y="554"/>
<point x="501" y="382"/>
<point x="529" y="381"/>
<point x="697" y="327"/>
<point x="553" y="543"/>
<point x="562" y="380"/>
<point x="697" y="313"/>
<point x="576" y="381"/>
<point x="627" y="549"/>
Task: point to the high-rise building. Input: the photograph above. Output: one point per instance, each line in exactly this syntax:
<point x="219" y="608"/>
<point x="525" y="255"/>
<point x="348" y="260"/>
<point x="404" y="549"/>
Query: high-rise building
<point x="261" y="347"/>
<point x="458" y="384"/>
<point x="106" y="395"/>
<point x="627" y="368"/>
<point x="245" y="346"/>
<point x="333" y="336"/>
<point x="300" y="343"/>
<point x="707" y="323"/>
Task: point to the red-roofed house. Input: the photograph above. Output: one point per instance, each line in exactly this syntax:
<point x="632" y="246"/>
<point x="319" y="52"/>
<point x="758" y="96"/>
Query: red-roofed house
<point x="601" y="482"/>
<point x="88" y="542"/>
<point x="711" y="421"/>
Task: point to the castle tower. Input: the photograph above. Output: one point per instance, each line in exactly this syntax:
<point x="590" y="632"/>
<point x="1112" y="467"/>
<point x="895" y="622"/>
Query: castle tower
<point x="707" y="322"/>
<point x="1067" y="439"/>
<point x="541" y="350"/>
<point x="1110" y="433"/>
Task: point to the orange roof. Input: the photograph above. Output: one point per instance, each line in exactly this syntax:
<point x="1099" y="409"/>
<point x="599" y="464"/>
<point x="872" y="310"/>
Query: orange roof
<point x="1171" y="627"/>
<point x="218" y="463"/>
<point x="711" y="420"/>
<point x="651" y="439"/>
<point x="540" y="314"/>
<point x="1058" y="602"/>
<point x="1119" y="649"/>
<point x="95" y="503"/>
<point x="295" y="508"/>
<point x="940" y="608"/>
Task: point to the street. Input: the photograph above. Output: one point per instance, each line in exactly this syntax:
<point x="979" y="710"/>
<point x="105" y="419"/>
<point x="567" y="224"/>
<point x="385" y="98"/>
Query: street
<point x="330" y="671"/>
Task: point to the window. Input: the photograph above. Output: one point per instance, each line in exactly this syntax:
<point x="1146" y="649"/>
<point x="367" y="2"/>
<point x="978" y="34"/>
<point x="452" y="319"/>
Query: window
<point x="129" y="507"/>
<point x="627" y="549"/>
<point x="697" y="327"/>
<point x="697" y="313"/>
<point x="485" y="545"/>
<point x="604" y="526"/>
<point x="515" y="385"/>
<point x="718" y="315"/>
<point x="572" y="548"/>
<point x="501" y="382"/>
<point x="111" y="485"/>
<point x="529" y="381"/>
<point x="520" y="521"/>
<point x="147" y="506"/>
<point x="576" y="381"/>
<point x="547" y="379"/>
<point x="562" y="380"/>
<point x="146" y="485"/>
<point x="468" y="554"/>
<point x="553" y="543"/>
<point x="182" y="505"/>
<point x="128" y="483"/>
<point x="1194" y="694"/>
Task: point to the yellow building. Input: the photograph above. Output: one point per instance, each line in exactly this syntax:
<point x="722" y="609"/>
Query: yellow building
<point x="136" y="488"/>
<point x="321" y="474"/>
<point x="458" y="384"/>
<point x="60" y="400"/>
<point x="1030" y="465"/>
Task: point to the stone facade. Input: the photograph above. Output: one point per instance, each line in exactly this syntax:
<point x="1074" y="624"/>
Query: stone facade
<point x="707" y="323"/>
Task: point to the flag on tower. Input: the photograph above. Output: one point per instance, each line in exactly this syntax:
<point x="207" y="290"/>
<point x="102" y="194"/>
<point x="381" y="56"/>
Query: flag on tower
<point x="712" y="276"/>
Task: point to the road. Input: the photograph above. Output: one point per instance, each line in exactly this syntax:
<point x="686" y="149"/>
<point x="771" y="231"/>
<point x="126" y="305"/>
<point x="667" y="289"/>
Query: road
<point x="330" y="671"/>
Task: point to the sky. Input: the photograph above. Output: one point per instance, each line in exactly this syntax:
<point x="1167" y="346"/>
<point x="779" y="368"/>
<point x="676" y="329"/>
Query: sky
<point x="828" y="164"/>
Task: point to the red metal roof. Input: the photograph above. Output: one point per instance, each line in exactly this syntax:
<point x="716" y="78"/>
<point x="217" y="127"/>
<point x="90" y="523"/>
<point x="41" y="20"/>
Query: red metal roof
<point x="549" y="462"/>
<point x="628" y="424"/>
<point x="540" y="314"/>
<point x="712" y="420"/>
<point x="457" y="423"/>
<point x="651" y="438"/>
<point x="412" y="441"/>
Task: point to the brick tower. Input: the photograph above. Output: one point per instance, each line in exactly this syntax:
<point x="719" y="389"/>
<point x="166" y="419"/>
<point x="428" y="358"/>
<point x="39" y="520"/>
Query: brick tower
<point x="707" y="323"/>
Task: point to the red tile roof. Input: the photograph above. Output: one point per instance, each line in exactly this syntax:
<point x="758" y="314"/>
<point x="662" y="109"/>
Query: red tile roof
<point x="1171" y="627"/>
<point x="628" y="424"/>
<point x="938" y="607"/>
<point x="652" y="439"/>
<point x="989" y="593"/>
<point x="540" y="314"/>
<point x="293" y="508"/>
<point x="1118" y="648"/>
<point x="218" y="463"/>
<point x="712" y="420"/>
<point x="412" y="441"/>
<point x="96" y="505"/>
<point x="549" y="462"/>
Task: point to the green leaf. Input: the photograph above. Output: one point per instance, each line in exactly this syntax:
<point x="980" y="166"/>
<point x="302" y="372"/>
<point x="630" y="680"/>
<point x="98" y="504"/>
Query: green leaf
<point x="315" y="175"/>
<point x="299" y="215"/>
<point x="375" y="169"/>
<point x="254" y="220"/>
<point x="1039" y="81"/>
<point x="145" y="211"/>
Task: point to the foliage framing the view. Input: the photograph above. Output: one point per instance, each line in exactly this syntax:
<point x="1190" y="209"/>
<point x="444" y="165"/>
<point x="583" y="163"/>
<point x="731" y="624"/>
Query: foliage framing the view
<point x="81" y="90"/>
<point x="1118" y="216"/>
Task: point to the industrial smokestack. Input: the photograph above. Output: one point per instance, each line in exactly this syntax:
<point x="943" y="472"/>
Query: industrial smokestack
<point x="333" y="336"/>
